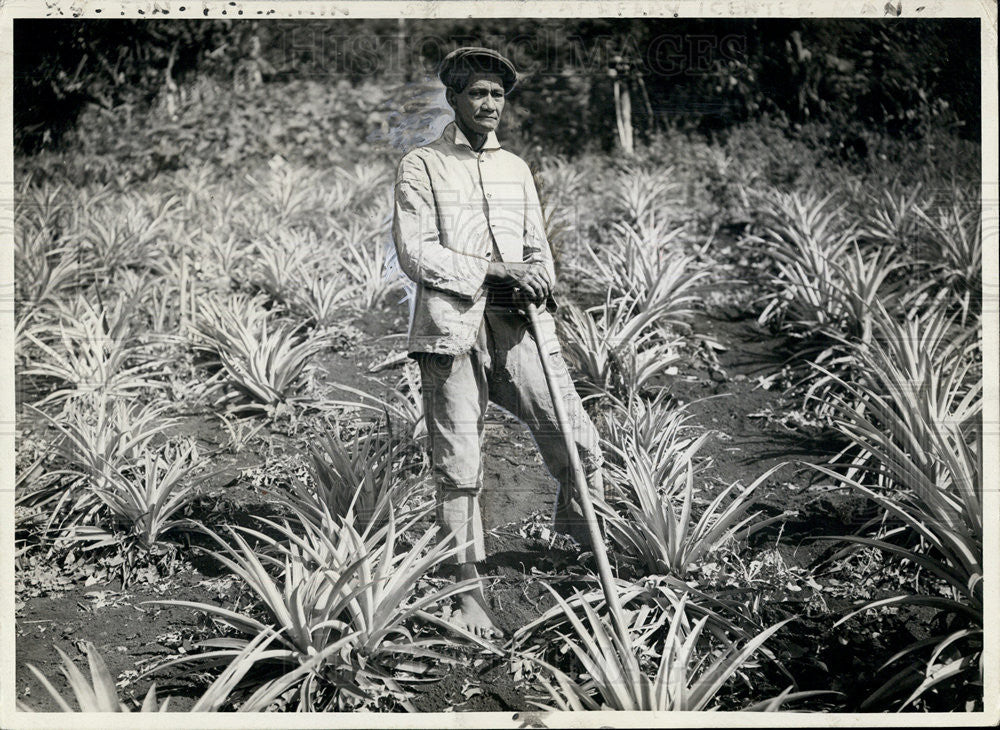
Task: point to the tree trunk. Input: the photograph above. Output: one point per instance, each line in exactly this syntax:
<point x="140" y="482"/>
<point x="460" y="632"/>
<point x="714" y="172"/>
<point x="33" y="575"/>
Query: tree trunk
<point x="651" y="123"/>
<point x="623" y="117"/>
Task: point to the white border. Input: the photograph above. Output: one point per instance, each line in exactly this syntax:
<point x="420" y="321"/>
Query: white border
<point x="288" y="9"/>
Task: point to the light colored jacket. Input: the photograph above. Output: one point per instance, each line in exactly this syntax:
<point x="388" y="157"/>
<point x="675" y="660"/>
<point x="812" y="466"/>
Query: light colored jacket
<point x="451" y="204"/>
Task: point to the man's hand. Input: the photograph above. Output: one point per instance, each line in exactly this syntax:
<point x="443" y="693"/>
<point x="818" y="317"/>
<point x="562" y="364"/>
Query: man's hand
<point x="530" y="278"/>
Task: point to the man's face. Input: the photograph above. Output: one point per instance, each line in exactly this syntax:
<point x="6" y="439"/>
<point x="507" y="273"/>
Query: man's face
<point x="479" y="106"/>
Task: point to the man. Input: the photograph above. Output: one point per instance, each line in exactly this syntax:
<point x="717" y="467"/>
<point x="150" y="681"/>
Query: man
<point x="469" y="232"/>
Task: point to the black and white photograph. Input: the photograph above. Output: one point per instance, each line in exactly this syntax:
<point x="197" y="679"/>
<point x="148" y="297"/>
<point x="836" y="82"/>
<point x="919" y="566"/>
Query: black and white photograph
<point x="494" y="362"/>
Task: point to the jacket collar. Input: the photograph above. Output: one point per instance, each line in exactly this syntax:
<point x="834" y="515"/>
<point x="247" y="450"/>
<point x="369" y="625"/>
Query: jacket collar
<point x="452" y="132"/>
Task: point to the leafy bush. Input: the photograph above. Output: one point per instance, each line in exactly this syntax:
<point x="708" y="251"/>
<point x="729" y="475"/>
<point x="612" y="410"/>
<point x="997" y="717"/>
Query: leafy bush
<point x="360" y="483"/>
<point x="263" y="361"/>
<point x="617" y="352"/>
<point x="91" y="349"/>
<point x="639" y="268"/>
<point x="912" y="425"/>
<point x="302" y="121"/>
<point x="955" y="250"/>
<point x="338" y="610"/>
<point x="100" y="693"/>
<point x="99" y="439"/>
<point x="611" y="677"/>
<point x="140" y="505"/>
<point x="657" y="526"/>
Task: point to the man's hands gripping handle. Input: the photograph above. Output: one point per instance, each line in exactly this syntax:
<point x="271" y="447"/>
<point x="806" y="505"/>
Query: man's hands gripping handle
<point x="529" y="279"/>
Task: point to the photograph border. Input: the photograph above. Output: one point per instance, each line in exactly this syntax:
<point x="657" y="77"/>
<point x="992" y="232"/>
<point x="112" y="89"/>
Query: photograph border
<point x="433" y="9"/>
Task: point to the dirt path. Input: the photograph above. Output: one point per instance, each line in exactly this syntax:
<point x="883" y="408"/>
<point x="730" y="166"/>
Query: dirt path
<point x="755" y="425"/>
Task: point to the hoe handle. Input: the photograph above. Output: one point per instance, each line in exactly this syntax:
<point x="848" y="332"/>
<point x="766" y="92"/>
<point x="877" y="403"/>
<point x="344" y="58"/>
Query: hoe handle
<point x="582" y="488"/>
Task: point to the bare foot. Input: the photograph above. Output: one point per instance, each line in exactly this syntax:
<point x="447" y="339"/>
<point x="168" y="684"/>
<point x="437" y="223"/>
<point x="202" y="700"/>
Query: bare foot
<point x="474" y="619"/>
<point x="472" y="614"/>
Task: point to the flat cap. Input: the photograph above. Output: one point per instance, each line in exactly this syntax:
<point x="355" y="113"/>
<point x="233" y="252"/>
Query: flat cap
<point x="458" y="65"/>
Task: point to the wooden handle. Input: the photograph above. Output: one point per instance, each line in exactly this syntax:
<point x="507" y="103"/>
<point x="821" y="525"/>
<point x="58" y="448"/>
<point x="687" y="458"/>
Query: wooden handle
<point x="582" y="488"/>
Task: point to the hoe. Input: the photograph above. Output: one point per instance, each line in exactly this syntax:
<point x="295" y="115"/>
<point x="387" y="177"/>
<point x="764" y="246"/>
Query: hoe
<point x="582" y="489"/>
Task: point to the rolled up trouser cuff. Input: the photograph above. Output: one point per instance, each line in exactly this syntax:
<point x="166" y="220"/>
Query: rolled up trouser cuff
<point x="458" y="514"/>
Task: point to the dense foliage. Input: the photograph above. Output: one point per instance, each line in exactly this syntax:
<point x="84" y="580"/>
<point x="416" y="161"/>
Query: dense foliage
<point x="901" y="76"/>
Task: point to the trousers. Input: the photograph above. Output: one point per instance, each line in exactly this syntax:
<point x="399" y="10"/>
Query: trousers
<point x="503" y="367"/>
